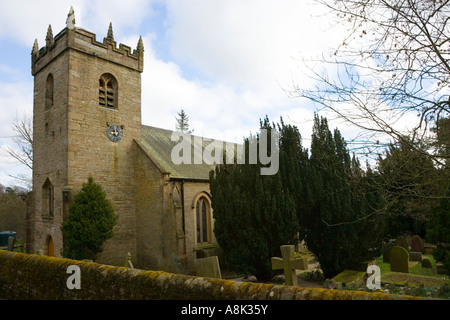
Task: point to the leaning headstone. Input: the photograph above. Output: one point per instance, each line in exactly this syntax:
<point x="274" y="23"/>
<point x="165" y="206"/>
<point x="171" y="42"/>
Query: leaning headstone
<point x="208" y="267"/>
<point x="289" y="264"/>
<point x="416" y="244"/>
<point x="399" y="259"/>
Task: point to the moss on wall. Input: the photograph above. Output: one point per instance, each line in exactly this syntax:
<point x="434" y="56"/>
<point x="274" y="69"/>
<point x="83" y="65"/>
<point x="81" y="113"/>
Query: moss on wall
<point x="27" y="276"/>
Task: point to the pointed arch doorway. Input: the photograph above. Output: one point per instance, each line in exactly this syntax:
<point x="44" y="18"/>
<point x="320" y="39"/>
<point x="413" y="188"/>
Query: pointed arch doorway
<point x="50" y="246"/>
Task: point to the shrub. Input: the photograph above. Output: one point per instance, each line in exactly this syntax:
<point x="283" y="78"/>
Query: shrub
<point x="90" y="223"/>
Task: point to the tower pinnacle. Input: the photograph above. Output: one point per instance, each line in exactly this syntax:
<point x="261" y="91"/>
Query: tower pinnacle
<point x="140" y="45"/>
<point x="49" y="40"/>
<point x="35" y="51"/>
<point x="70" y="21"/>
<point x="110" y="35"/>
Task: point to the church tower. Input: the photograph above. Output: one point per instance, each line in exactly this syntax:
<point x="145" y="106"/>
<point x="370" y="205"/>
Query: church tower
<point x="87" y="113"/>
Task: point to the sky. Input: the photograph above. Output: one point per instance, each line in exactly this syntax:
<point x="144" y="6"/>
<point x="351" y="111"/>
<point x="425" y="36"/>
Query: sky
<point x="226" y="63"/>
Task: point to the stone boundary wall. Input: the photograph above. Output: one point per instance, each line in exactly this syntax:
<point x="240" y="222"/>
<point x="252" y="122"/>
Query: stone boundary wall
<point x="29" y="276"/>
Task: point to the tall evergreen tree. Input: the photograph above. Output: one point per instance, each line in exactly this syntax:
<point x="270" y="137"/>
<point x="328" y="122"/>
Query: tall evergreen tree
<point x="254" y="214"/>
<point x="340" y="225"/>
<point x="294" y="165"/>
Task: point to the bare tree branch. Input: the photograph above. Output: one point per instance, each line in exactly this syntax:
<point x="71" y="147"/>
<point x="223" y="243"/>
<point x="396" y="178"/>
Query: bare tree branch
<point x="24" y="141"/>
<point x="393" y="63"/>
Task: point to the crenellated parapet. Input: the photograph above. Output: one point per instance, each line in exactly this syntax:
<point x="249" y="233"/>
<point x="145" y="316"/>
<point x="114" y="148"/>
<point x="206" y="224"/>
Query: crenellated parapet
<point x="74" y="38"/>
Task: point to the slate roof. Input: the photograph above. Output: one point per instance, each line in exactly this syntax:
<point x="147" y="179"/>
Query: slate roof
<point x="157" y="144"/>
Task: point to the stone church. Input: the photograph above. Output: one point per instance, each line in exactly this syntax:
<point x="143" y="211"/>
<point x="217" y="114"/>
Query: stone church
<point x="87" y="122"/>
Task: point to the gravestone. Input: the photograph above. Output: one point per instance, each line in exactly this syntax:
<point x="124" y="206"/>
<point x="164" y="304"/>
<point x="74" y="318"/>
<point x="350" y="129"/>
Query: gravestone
<point x="350" y="279"/>
<point x="426" y="263"/>
<point x="208" y="267"/>
<point x="415" y="256"/>
<point x="128" y="263"/>
<point x="416" y="244"/>
<point x="11" y="241"/>
<point x="289" y="264"/>
<point x="399" y="259"/>
<point x="402" y="242"/>
<point x="386" y="249"/>
<point x="416" y="249"/>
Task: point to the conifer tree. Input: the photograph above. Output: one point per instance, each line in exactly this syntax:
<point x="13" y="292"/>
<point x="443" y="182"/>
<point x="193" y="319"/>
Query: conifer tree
<point x="254" y="214"/>
<point x="339" y="225"/>
<point x="182" y="123"/>
<point x="90" y="223"/>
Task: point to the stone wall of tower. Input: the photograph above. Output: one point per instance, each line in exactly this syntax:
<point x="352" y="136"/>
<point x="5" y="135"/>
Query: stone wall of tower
<point x="49" y="148"/>
<point x="90" y="152"/>
<point x="70" y="139"/>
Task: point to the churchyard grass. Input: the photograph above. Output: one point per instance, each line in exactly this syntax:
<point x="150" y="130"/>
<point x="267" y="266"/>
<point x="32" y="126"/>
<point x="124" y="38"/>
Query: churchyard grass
<point x="419" y="281"/>
<point x="414" y="268"/>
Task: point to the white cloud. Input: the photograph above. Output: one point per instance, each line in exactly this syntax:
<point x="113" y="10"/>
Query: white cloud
<point x="230" y="62"/>
<point x="225" y="62"/>
<point x="16" y="103"/>
<point x="249" y="43"/>
<point x="24" y="21"/>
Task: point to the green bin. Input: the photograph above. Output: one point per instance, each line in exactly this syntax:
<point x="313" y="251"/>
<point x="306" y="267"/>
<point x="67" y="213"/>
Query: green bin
<point x="4" y="235"/>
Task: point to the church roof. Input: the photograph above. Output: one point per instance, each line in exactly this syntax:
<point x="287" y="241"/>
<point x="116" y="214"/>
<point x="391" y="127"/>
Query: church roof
<point x="158" y="145"/>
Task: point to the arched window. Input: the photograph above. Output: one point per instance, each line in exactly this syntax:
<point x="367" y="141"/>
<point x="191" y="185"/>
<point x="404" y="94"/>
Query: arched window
<point x="49" y="92"/>
<point x="203" y="220"/>
<point x="48" y="199"/>
<point x="107" y="91"/>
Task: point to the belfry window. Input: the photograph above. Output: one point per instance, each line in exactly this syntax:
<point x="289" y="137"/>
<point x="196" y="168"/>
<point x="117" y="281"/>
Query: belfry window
<point x="203" y="220"/>
<point x="107" y="91"/>
<point x="49" y="92"/>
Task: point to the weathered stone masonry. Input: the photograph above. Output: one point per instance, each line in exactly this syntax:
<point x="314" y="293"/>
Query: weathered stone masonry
<point x="82" y="86"/>
<point x="25" y="276"/>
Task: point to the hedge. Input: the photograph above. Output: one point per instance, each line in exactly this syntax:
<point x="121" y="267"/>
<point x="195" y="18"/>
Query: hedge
<point x="29" y="276"/>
